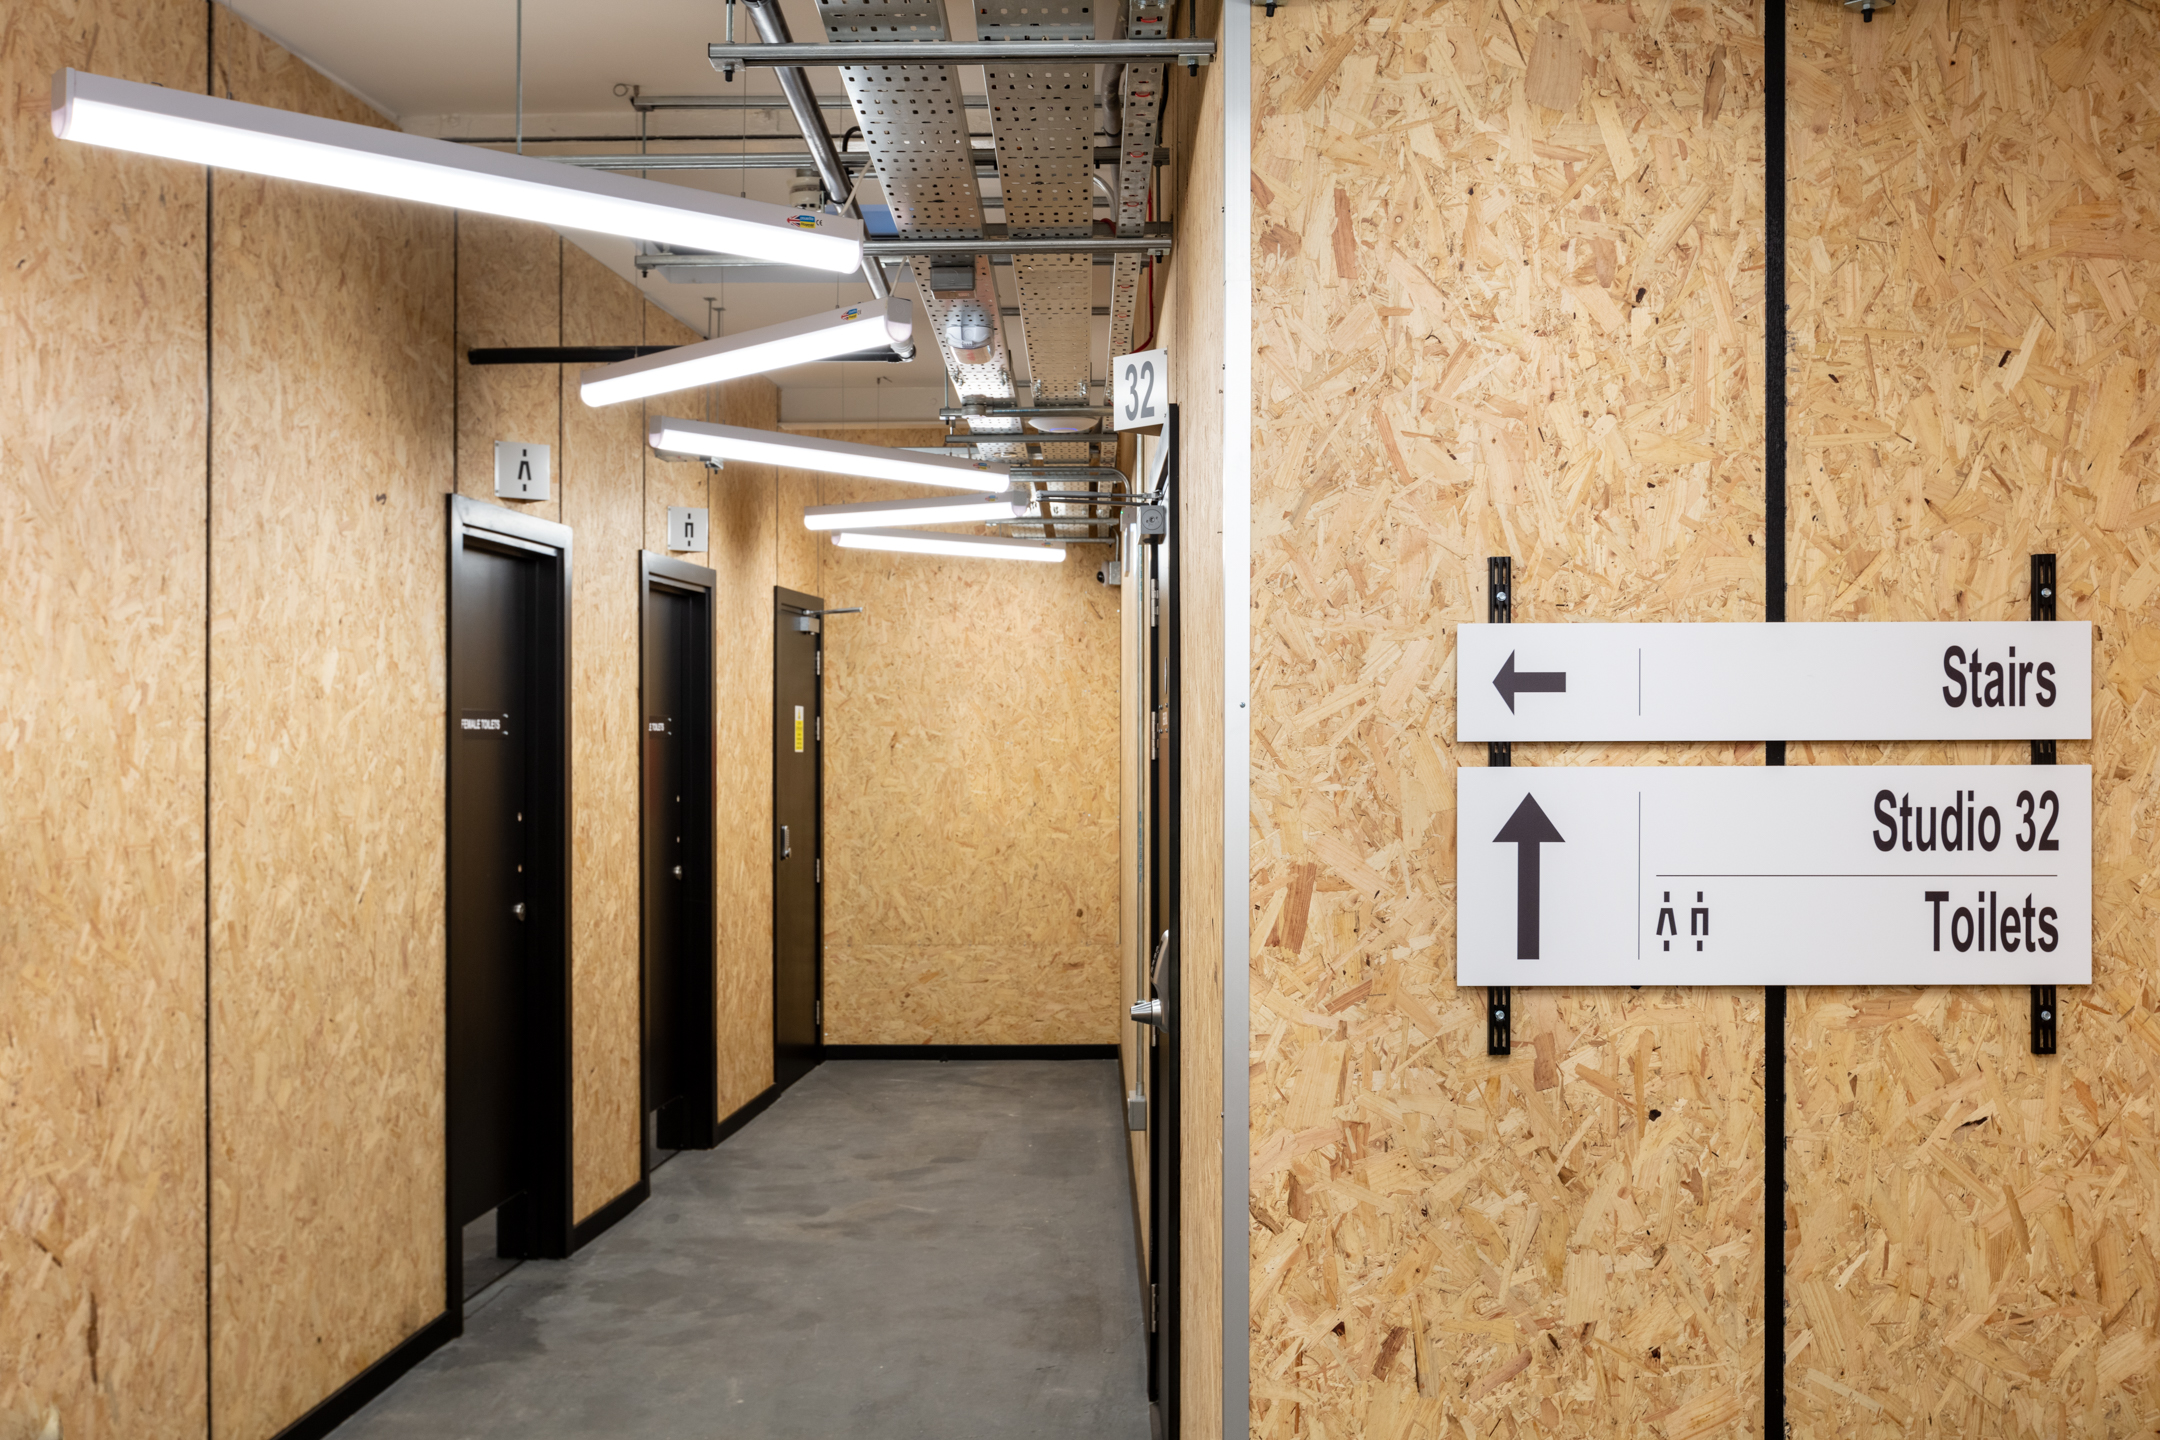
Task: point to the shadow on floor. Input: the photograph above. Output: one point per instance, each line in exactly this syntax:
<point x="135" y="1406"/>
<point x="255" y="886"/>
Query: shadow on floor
<point x="906" y="1250"/>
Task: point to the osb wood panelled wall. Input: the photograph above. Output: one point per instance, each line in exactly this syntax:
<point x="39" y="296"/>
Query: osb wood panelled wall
<point x="1508" y="267"/>
<point x="1192" y="329"/>
<point x="101" y="746"/>
<point x="326" y="763"/>
<point x="971" y="791"/>
<point x="1974" y="267"/>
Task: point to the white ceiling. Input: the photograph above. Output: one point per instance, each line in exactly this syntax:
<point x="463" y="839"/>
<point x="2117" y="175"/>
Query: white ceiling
<point x="448" y="68"/>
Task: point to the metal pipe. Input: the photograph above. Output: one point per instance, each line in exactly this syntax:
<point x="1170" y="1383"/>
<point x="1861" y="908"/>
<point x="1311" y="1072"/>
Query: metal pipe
<point x="985" y="160"/>
<point x="1025" y="412"/>
<point x="1185" y="50"/>
<point x="994" y="242"/>
<point x="1038" y="437"/>
<point x="795" y="84"/>
<point x="762" y="102"/>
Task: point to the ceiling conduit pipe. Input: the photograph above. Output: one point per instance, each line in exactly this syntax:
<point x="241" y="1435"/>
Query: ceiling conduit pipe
<point x="772" y="28"/>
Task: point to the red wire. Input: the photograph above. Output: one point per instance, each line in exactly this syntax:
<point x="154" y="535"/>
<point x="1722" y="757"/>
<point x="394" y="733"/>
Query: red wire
<point x="1150" y="270"/>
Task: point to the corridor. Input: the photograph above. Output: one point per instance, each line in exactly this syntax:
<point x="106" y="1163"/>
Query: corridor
<point x="895" y="1249"/>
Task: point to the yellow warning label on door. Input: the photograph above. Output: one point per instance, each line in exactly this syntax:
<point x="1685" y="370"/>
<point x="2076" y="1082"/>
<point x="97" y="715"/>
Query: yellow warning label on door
<point x="798" y="729"/>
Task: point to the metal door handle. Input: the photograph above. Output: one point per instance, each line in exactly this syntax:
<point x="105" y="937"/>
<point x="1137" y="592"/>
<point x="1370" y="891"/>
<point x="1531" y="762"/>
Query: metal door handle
<point x="785" y="849"/>
<point x="1148" y="1012"/>
<point x="678" y="872"/>
<point x="518" y="910"/>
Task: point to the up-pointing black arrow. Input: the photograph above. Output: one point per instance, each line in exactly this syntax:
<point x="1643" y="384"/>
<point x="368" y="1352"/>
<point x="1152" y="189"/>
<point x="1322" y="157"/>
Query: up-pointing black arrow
<point x="1511" y="682"/>
<point x="1527" y="829"/>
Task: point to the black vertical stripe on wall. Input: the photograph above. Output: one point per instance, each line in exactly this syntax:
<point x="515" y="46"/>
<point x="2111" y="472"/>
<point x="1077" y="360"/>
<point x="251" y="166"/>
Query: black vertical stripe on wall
<point x="1774" y="751"/>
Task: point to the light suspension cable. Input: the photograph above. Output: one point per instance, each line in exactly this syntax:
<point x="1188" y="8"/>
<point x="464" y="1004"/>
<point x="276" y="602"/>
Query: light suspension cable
<point x="205" y="130"/>
<point x="966" y="547"/>
<point x="835" y="457"/>
<point x="774" y="347"/>
<point x="1006" y="505"/>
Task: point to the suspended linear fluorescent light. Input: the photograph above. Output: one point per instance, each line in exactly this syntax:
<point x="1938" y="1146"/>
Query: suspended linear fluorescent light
<point x="969" y="547"/>
<point x="890" y="321"/>
<point x="1009" y="505"/>
<point x="204" y="130"/>
<point x="835" y="457"/>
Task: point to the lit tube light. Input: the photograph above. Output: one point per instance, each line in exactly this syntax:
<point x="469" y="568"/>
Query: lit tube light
<point x="834" y="457"/>
<point x="775" y="347"/>
<point x="1010" y="505"/>
<point x="204" y="130"/>
<point x="967" y="547"/>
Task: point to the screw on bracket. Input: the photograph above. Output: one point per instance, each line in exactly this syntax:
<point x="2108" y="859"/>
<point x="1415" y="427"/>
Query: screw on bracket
<point x="1499" y="1019"/>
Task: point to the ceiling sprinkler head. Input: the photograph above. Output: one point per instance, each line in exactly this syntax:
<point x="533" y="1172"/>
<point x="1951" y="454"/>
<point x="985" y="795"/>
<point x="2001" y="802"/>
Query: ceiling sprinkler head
<point x="1867" y="8"/>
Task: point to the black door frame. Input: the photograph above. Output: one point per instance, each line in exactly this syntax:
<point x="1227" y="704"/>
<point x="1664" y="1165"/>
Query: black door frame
<point x="695" y="1124"/>
<point x="810" y="608"/>
<point x="543" y="1226"/>
<point x="1165" y="815"/>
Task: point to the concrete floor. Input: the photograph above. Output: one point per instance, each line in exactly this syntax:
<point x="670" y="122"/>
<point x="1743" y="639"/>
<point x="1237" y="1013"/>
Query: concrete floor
<point x="906" y="1250"/>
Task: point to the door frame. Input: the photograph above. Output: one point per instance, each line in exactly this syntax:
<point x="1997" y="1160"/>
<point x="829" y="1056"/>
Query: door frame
<point x="549" y="1212"/>
<point x="811" y="608"/>
<point x="1162" y="905"/>
<point x="697" y="1126"/>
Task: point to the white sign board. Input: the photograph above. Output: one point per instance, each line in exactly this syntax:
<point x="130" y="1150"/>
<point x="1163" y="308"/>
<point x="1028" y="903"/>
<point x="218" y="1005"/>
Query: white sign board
<point x="521" y="471"/>
<point x="686" y="527"/>
<point x="1775" y="875"/>
<point x="1950" y="680"/>
<point x="1140" y="389"/>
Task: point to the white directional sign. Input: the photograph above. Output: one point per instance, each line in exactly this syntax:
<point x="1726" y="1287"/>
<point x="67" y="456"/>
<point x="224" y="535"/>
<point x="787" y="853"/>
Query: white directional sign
<point x="1953" y="680"/>
<point x="1773" y="875"/>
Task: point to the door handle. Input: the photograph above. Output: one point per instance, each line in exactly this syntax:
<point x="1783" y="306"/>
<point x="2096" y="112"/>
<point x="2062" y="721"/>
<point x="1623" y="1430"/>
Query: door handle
<point x="1149" y="1012"/>
<point x="518" y="910"/>
<point x="678" y="872"/>
<point x="785" y="849"/>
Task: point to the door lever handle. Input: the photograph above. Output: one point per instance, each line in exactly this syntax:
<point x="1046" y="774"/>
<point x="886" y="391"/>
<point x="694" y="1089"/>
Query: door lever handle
<point x="1149" y="1012"/>
<point x="518" y="910"/>
<point x="785" y="849"/>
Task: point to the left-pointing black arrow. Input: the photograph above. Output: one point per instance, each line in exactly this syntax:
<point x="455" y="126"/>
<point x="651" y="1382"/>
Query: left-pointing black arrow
<point x="1511" y="682"/>
<point x="1527" y="829"/>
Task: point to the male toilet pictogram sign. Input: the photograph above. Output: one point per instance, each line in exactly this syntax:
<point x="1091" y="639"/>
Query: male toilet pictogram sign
<point x="1759" y="875"/>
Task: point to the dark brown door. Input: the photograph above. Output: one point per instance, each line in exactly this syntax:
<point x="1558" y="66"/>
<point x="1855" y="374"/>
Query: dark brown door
<point x="798" y="864"/>
<point x="508" y="896"/>
<point x="677" y="769"/>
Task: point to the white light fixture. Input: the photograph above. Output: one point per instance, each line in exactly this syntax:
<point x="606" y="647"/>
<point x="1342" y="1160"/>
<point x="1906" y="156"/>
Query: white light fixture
<point x="1008" y="505"/>
<point x="204" y="130"/>
<point x="868" y="326"/>
<point x="968" y="547"/>
<point x="835" y="457"/>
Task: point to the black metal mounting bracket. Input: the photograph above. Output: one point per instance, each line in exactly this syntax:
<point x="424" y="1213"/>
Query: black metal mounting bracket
<point x="1499" y="610"/>
<point x="2044" y="1009"/>
<point x="1499" y="1020"/>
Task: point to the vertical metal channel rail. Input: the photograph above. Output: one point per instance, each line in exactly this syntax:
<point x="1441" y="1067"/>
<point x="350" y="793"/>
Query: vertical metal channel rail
<point x="1774" y="412"/>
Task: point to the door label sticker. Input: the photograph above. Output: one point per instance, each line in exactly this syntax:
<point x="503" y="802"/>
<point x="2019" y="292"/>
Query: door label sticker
<point x="798" y="729"/>
<point x="659" y="725"/>
<point x="483" y="724"/>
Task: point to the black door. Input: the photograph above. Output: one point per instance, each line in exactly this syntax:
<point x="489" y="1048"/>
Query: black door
<point x="508" y="898"/>
<point x="798" y="810"/>
<point x="677" y="850"/>
<point x="1160" y="561"/>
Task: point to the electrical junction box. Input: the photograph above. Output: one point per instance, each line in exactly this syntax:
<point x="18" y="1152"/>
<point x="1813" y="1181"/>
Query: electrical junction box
<point x="686" y="528"/>
<point x="521" y="471"/>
